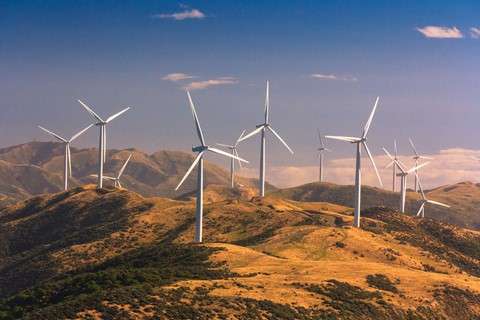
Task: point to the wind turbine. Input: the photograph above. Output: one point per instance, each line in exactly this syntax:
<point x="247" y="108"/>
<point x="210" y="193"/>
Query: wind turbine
<point x="362" y="141"/>
<point x="201" y="150"/>
<point x="417" y="157"/>
<point x="403" y="177"/>
<point x="421" y="210"/>
<point x="394" y="165"/>
<point x="234" y="152"/>
<point x="116" y="180"/>
<point x="321" y="150"/>
<point x="102" y="145"/>
<point x="262" y="128"/>
<point x="67" y="169"/>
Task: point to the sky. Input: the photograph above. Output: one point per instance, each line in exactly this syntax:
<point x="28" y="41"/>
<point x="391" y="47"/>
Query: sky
<point x="326" y="62"/>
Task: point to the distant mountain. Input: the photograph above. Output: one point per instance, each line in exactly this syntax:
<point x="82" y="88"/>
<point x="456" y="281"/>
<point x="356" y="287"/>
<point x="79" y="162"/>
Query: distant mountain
<point x="464" y="199"/>
<point x="37" y="167"/>
<point x="113" y="254"/>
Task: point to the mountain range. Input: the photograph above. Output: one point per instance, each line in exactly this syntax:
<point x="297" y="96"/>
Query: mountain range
<point x="37" y="167"/>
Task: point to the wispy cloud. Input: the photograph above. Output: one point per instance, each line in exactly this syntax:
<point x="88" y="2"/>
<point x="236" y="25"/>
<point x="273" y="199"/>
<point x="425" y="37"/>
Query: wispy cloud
<point x="174" y="77"/>
<point x="199" y="85"/>
<point x="449" y="166"/>
<point x="332" y="77"/>
<point x="440" y="32"/>
<point x="475" y="32"/>
<point x="186" y="14"/>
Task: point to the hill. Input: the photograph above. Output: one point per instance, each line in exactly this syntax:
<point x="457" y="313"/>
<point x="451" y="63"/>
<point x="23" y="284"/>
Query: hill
<point x="37" y="167"/>
<point x="113" y="254"/>
<point x="464" y="199"/>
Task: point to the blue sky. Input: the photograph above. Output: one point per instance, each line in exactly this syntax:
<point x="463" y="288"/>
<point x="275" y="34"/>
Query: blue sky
<point x="115" y="53"/>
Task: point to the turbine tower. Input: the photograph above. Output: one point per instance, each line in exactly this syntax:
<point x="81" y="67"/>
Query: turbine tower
<point x="262" y="128"/>
<point x="417" y="157"/>
<point x="403" y="177"/>
<point x="362" y="141"/>
<point x="201" y="150"/>
<point x="394" y="165"/>
<point x="102" y="145"/>
<point x="116" y="180"/>
<point x="67" y="169"/>
<point x="234" y="152"/>
<point x="421" y="210"/>
<point x="321" y="149"/>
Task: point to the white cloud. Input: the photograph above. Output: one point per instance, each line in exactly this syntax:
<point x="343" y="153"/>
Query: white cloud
<point x="475" y="32"/>
<point x="441" y="32"/>
<point x="332" y="77"/>
<point x="174" y="77"/>
<point x="449" y="166"/>
<point x="199" y="85"/>
<point x="187" y="14"/>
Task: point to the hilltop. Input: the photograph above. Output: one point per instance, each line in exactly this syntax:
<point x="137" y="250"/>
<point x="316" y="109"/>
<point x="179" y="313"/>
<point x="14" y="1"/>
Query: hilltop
<point x="463" y="197"/>
<point x="37" y="167"/>
<point x="103" y="254"/>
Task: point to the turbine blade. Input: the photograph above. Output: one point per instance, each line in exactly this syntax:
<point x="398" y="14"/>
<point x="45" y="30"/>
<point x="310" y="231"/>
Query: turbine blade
<point x="426" y="158"/>
<point x="251" y="134"/>
<point x="119" y="184"/>
<point x="396" y="161"/>
<point x="194" y="163"/>
<point x="235" y="153"/>
<point x="344" y="138"/>
<point x="395" y="148"/>
<point x="267" y="102"/>
<point x="53" y="134"/>
<point x="413" y="146"/>
<point x="422" y="193"/>
<point x="322" y="145"/>
<point x="92" y="113"/>
<point x="417" y="167"/>
<point x="373" y="163"/>
<point x="197" y="122"/>
<point x="438" y="203"/>
<point x="116" y="115"/>
<point x="420" y="209"/>
<point x="218" y="151"/>
<point x="224" y="145"/>
<point x="109" y="178"/>
<point x="240" y="137"/>
<point x="280" y="138"/>
<point x="390" y="164"/>
<point x="124" y="166"/>
<point x="369" y="121"/>
<point x="80" y="133"/>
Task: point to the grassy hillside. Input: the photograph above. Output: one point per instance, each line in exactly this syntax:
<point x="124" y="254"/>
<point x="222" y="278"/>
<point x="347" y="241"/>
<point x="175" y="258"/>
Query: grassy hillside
<point x="104" y="254"/>
<point x="464" y="199"/>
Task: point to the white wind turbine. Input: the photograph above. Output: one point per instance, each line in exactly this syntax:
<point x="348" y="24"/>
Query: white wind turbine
<point x="262" y="128"/>
<point x="362" y="141"/>
<point x="321" y="149"/>
<point x="417" y="157"/>
<point x="421" y="210"/>
<point x="116" y="180"/>
<point x="403" y="177"/>
<point x="394" y="165"/>
<point x="102" y="145"/>
<point x="234" y="152"/>
<point x="67" y="169"/>
<point x="202" y="149"/>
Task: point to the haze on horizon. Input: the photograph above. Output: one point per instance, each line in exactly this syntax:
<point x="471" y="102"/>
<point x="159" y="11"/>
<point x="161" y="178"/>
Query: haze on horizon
<point x="326" y="63"/>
